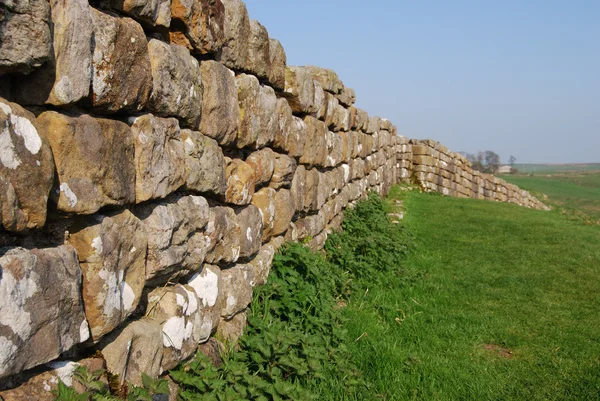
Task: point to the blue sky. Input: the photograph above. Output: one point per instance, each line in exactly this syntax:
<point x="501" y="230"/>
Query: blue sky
<point x="519" y="77"/>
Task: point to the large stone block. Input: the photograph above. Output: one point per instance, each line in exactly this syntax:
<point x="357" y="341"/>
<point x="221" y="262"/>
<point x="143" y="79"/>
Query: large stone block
<point x="225" y="232"/>
<point x="177" y="83"/>
<point x="347" y="96"/>
<point x="205" y="163"/>
<point x="234" y="53"/>
<point x="264" y="200"/>
<point x="263" y="163"/>
<point x="291" y="135"/>
<point x="153" y="13"/>
<point x="241" y="180"/>
<point x="112" y="256"/>
<point x="220" y="109"/>
<point x="208" y="286"/>
<point x="249" y="221"/>
<point x="334" y="149"/>
<point x="263" y="260"/>
<point x="304" y="94"/>
<point x="315" y="147"/>
<point x="229" y="331"/>
<point x="27" y="26"/>
<point x="278" y="62"/>
<point x="41" y="310"/>
<point x="121" y="75"/>
<point x="177" y="243"/>
<point x="283" y="171"/>
<point x="26" y="169"/>
<point x="203" y="21"/>
<point x="298" y="188"/>
<point x="94" y="160"/>
<point x="328" y="79"/>
<point x="259" y="58"/>
<point x="284" y="211"/>
<point x="137" y="349"/>
<point x="237" y="289"/>
<point x="160" y="162"/>
<point x="258" y="123"/>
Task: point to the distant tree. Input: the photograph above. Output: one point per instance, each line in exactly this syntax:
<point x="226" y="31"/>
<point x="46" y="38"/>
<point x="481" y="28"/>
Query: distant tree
<point x="486" y="162"/>
<point x="512" y="160"/>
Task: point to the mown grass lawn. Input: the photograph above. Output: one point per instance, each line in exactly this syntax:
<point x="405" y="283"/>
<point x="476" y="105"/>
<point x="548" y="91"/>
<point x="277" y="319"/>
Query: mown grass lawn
<point x="497" y="302"/>
<point x="576" y="192"/>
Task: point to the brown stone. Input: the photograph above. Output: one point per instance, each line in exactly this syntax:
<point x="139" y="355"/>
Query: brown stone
<point x="204" y="22"/>
<point x="237" y="289"/>
<point x="315" y="147"/>
<point x="304" y="94"/>
<point x="291" y="135"/>
<point x="264" y="200"/>
<point x="234" y="53"/>
<point x="259" y="58"/>
<point x="249" y="221"/>
<point x="263" y="163"/>
<point x="240" y="179"/>
<point x="258" y="123"/>
<point x="208" y="286"/>
<point x="225" y="232"/>
<point x="94" y="160"/>
<point x="205" y="163"/>
<point x="154" y="13"/>
<point x="278" y="62"/>
<point x="283" y="171"/>
<point x="229" y="331"/>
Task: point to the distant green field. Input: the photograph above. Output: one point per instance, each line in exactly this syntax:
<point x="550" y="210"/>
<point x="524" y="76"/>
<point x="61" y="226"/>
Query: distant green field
<point x="574" y="192"/>
<point x="555" y="168"/>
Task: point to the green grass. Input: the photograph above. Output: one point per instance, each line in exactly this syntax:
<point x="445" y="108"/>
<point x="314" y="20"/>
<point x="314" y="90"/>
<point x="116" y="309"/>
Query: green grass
<point x="497" y="302"/>
<point x="576" y="193"/>
<point x="556" y="168"/>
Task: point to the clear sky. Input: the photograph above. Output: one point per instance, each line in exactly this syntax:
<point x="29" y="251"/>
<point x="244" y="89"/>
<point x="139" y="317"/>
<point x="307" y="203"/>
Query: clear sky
<point x="519" y="77"/>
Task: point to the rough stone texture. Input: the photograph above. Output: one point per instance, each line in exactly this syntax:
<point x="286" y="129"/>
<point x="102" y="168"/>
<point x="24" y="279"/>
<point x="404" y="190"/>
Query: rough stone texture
<point x="153" y="13"/>
<point x="283" y="171"/>
<point x="41" y="310"/>
<point x="220" y="109"/>
<point x="94" y="160"/>
<point x="261" y="263"/>
<point x="26" y="169"/>
<point x="347" y="96"/>
<point x="177" y="83"/>
<point x="135" y="350"/>
<point x="177" y="244"/>
<point x="121" y="75"/>
<point x="284" y="211"/>
<point x="258" y="124"/>
<point x="112" y="256"/>
<point x="25" y="38"/>
<point x="298" y="189"/>
<point x="213" y="349"/>
<point x="250" y="224"/>
<point x="229" y="331"/>
<point x="208" y="286"/>
<point x="160" y="162"/>
<point x="334" y="149"/>
<point x="278" y="62"/>
<point x="204" y="163"/>
<point x="263" y="163"/>
<point x="315" y="147"/>
<point x="224" y="231"/>
<point x="259" y="58"/>
<point x="291" y="135"/>
<point x="328" y="79"/>
<point x="264" y="200"/>
<point x="241" y="180"/>
<point x="204" y="22"/>
<point x="304" y="94"/>
<point x="234" y="53"/>
<point x="177" y="311"/>
<point x="237" y="295"/>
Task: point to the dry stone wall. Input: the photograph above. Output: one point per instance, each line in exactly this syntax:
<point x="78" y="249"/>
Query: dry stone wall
<point x="154" y="155"/>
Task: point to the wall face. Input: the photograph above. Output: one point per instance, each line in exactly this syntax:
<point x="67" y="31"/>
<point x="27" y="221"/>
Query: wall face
<point x="169" y="143"/>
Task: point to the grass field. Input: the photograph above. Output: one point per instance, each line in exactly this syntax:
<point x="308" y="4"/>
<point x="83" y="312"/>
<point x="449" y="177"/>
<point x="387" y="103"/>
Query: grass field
<point x="574" y="192"/>
<point x="556" y="168"/>
<point x="497" y="302"/>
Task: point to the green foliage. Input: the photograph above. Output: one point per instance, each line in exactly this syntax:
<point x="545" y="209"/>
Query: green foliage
<point x="295" y="346"/>
<point x="94" y="389"/>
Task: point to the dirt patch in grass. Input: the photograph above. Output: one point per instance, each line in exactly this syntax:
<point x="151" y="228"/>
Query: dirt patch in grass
<point x="500" y="351"/>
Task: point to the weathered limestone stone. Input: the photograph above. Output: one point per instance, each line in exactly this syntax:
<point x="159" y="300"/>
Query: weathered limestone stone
<point x="112" y="256"/>
<point x="347" y="96"/>
<point x="264" y="200"/>
<point x="304" y="94"/>
<point x="25" y="38"/>
<point x="177" y="311"/>
<point x="220" y="109"/>
<point x="249" y="221"/>
<point x="160" y="162"/>
<point x="213" y="349"/>
<point x="258" y="124"/>
<point x="224" y="231"/>
<point x="237" y="289"/>
<point x="261" y="263"/>
<point x="204" y="22"/>
<point x="341" y="118"/>
<point x="135" y="350"/>
<point x="121" y="75"/>
<point x="205" y="163"/>
<point x="229" y="331"/>
<point x="154" y="12"/>
<point x="361" y="121"/>
<point x="177" y="244"/>
<point x="208" y="286"/>
<point x="283" y="171"/>
<point x="259" y="58"/>
<point x="334" y="149"/>
<point x="177" y="83"/>
<point x="291" y="135"/>
<point x="328" y="109"/>
<point x="373" y="124"/>
<point x="26" y="169"/>
<point x="346" y="146"/>
<point x="94" y="160"/>
<point x="328" y="79"/>
<point x="263" y="163"/>
<point x="41" y="386"/>
<point x="284" y="211"/>
<point x="315" y="147"/>
<point x="241" y="179"/>
<point x="234" y="53"/>
<point x="298" y="189"/>
<point x="41" y="310"/>
<point x="278" y="62"/>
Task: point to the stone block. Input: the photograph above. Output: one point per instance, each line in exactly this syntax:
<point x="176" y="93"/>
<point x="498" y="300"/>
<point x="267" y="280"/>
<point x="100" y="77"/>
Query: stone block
<point x="283" y="171"/>
<point x="156" y="13"/>
<point x="290" y="136"/>
<point x="315" y="147"/>
<point x="203" y="23"/>
<point x="237" y="289"/>
<point x="258" y="123"/>
<point x="240" y="180"/>
<point x="278" y="62"/>
<point x="208" y="286"/>
<point x="304" y="94"/>
<point x="259" y="57"/>
<point x="204" y="163"/>
<point x="263" y="163"/>
<point x="234" y="53"/>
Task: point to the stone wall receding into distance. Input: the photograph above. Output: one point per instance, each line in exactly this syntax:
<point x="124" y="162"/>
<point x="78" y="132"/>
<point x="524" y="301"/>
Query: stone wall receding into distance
<point x="153" y="157"/>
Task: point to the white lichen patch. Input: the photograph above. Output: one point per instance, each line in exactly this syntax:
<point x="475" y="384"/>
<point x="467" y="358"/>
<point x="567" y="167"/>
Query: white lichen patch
<point x="231" y="301"/>
<point x="64" y="370"/>
<point x="8" y="156"/>
<point x="206" y="285"/>
<point x="14" y="295"/>
<point x="63" y="90"/>
<point x="249" y="234"/>
<point x="7" y="352"/>
<point x="25" y="129"/>
<point x="127" y="296"/>
<point x="346" y="169"/>
<point x="192" y="302"/>
<point x="174" y="332"/>
<point x="189" y="146"/>
<point x="70" y="195"/>
<point x="97" y="245"/>
<point x="110" y="299"/>
<point x="84" y="331"/>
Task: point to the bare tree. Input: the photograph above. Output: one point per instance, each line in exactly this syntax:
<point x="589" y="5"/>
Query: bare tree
<point x="486" y="162"/>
